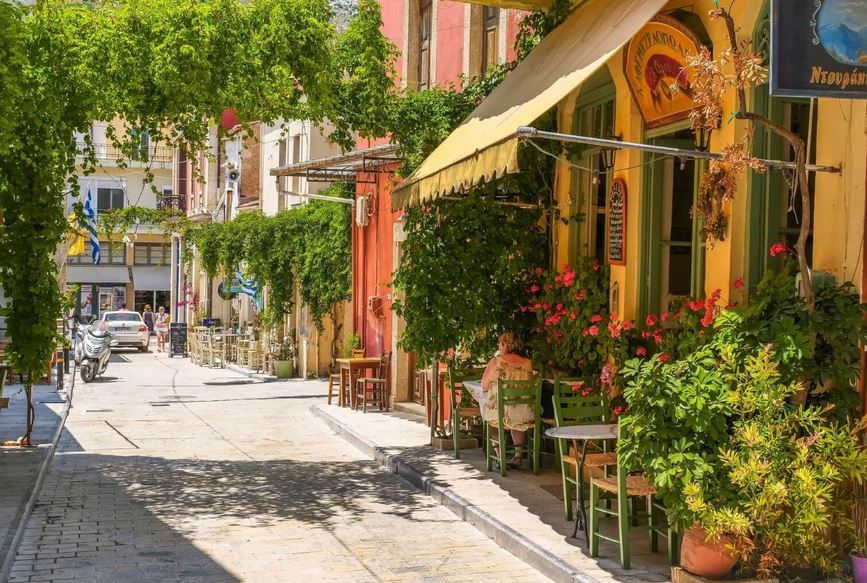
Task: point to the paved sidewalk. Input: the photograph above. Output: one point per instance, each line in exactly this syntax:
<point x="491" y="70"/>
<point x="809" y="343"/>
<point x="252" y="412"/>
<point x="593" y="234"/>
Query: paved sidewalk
<point x="172" y="472"/>
<point x="19" y="467"/>
<point x="522" y="511"/>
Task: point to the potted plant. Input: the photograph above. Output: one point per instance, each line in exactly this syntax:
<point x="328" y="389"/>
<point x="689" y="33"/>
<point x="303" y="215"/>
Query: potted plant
<point x="858" y="552"/>
<point x="284" y="362"/>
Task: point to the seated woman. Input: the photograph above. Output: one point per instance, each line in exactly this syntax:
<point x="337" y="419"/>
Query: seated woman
<point x="509" y="366"/>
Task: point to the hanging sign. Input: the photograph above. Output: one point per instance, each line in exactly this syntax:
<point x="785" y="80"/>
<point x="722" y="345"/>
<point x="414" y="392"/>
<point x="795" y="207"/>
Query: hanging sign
<point x="819" y="48"/>
<point x="653" y="61"/>
<point x="617" y="223"/>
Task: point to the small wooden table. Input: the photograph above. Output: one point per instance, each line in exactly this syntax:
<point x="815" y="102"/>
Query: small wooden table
<point x="585" y="433"/>
<point x="349" y="370"/>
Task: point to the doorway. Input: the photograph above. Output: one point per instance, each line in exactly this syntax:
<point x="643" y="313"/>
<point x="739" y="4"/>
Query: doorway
<point x="673" y="251"/>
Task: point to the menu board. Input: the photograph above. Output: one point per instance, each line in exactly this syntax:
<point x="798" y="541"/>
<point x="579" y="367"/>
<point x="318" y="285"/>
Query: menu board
<point x="617" y="223"/>
<point x="177" y="339"/>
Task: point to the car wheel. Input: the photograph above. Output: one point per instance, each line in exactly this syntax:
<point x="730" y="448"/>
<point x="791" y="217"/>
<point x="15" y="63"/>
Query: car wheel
<point x="143" y="348"/>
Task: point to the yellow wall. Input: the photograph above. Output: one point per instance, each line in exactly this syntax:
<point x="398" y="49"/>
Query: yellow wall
<point x="841" y="136"/>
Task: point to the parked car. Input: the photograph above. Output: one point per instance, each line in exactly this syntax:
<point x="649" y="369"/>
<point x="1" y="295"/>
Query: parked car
<point x="126" y="329"/>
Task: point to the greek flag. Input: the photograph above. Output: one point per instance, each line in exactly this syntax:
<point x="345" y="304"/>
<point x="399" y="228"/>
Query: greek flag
<point x="249" y="287"/>
<point x="90" y="217"/>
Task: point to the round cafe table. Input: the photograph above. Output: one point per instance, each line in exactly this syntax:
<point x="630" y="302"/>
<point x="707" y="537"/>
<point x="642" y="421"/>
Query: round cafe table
<point x="585" y="434"/>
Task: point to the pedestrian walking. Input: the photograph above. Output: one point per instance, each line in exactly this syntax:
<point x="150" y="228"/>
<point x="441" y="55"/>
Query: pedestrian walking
<point x="148" y="316"/>
<point x="161" y="325"/>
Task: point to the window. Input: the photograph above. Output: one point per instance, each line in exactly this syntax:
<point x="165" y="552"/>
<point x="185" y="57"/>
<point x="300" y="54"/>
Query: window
<point x="110" y="254"/>
<point x="490" y="39"/>
<point x="151" y="254"/>
<point x="109" y="198"/>
<point x="183" y="190"/>
<point x="594" y="117"/>
<point x="424" y="44"/>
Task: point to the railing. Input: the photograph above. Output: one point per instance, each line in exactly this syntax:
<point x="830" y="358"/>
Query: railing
<point x="171" y="201"/>
<point x="154" y="155"/>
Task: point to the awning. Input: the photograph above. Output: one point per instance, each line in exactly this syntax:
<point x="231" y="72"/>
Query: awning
<point x="486" y="144"/>
<point x="151" y="278"/>
<point x="343" y="166"/>
<point x="97" y="274"/>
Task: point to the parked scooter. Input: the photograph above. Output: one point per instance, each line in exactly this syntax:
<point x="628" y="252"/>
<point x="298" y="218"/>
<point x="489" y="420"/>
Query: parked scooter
<point x="92" y="350"/>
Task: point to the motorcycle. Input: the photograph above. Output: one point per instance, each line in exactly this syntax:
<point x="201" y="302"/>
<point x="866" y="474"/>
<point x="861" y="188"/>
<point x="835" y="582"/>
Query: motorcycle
<point x="92" y="350"/>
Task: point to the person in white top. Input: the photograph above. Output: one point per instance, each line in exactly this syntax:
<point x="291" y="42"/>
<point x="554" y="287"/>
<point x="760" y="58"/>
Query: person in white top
<point x="161" y="327"/>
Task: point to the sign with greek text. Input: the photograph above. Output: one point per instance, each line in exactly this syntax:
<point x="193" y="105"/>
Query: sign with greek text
<point x="654" y="61"/>
<point x="819" y="48"/>
<point x="617" y="223"/>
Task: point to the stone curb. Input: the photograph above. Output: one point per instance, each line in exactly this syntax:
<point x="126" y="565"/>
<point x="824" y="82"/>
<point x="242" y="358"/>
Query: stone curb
<point x="265" y="378"/>
<point x="6" y="568"/>
<point x="506" y="537"/>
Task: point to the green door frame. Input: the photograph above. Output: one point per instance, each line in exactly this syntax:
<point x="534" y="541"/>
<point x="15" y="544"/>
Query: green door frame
<point x="651" y="230"/>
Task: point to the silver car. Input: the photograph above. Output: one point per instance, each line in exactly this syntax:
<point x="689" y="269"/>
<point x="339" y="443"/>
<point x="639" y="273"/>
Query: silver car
<point x="126" y="329"/>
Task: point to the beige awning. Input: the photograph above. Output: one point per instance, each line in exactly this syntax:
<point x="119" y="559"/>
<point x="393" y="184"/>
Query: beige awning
<point x="486" y="145"/>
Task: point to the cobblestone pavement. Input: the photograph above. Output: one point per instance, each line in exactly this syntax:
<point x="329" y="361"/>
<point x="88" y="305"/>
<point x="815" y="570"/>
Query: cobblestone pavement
<point x="172" y="472"/>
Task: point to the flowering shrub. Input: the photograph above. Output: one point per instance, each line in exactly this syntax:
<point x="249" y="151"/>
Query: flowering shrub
<point x="573" y="326"/>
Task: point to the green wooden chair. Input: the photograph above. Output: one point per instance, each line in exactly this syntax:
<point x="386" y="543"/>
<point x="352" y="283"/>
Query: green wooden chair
<point x="571" y="408"/>
<point x="620" y="489"/>
<point x="509" y="393"/>
<point x="463" y="406"/>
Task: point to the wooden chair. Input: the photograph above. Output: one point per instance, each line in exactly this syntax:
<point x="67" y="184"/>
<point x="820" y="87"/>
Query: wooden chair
<point x="619" y="489"/>
<point x="571" y="408"/>
<point x="377" y="387"/>
<point x="4" y="401"/>
<point x="334" y="377"/>
<point x="511" y="393"/>
<point x="459" y="396"/>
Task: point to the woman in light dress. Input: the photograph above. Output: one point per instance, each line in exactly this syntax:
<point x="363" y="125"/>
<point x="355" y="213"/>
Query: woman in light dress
<point x="509" y="366"/>
<point x="161" y="325"/>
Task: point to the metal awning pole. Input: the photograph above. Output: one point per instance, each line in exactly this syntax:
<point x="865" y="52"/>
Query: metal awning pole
<point x="349" y="201"/>
<point x="529" y="133"/>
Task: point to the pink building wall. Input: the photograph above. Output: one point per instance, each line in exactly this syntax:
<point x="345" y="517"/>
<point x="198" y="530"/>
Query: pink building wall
<point x="450" y="43"/>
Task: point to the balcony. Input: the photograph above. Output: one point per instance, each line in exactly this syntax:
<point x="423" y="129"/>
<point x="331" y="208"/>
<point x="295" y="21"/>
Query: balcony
<point x="171" y="202"/>
<point x="110" y="155"/>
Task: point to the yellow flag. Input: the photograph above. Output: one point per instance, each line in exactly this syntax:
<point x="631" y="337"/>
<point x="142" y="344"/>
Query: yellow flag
<point x="76" y="240"/>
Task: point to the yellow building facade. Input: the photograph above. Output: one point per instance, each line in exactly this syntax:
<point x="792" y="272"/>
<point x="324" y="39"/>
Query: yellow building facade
<point x="664" y="256"/>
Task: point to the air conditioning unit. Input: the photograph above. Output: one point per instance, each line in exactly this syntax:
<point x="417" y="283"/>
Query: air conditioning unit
<point x="361" y="217"/>
<point x="375" y="305"/>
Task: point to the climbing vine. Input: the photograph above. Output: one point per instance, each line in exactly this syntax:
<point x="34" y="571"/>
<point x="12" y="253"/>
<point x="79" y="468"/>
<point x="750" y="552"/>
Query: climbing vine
<point x="309" y="245"/>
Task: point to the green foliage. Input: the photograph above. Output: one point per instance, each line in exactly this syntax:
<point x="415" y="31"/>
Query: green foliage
<point x="309" y="245"/>
<point x="118" y="221"/>
<point x="460" y="280"/>
<point x="167" y="67"/>
<point x="350" y="343"/>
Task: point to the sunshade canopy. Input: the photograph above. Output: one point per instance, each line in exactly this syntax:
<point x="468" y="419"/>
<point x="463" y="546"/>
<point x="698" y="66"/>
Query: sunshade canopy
<point x="151" y="278"/>
<point x="486" y="144"/>
<point x="97" y="274"/>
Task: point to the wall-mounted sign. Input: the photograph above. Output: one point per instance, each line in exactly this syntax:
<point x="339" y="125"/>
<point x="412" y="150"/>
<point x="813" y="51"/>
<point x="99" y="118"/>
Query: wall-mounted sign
<point x="819" y="48"/>
<point x="617" y="223"/>
<point x="653" y="61"/>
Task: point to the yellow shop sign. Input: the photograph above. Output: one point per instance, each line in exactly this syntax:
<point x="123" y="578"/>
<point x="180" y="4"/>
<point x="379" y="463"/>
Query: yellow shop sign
<point x="653" y="61"/>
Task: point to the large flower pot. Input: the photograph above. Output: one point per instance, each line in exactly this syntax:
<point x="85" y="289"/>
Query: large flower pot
<point x="708" y="559"/>
<point x="284" y="369"/>
<point x="859" y="569"/>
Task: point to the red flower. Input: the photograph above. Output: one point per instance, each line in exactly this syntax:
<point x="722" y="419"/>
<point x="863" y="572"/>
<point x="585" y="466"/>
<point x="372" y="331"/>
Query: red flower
<point x="650" y="320"/>
<point x="664" y="316"/>
<point x="614" y="330"/>
<point x="596" y="266"/>
<point x="572" y="315"/>
<point x="696" y="305"/>
<point x="534" y="288"/>
<point x="577" y="386"/>
<point x="641" y="351"/>
<point x="580" y="295"/>
<point x="664" y="357"/>
<point x="585" y="332"/>
<point x="707" y="320"/>
<point x="618" y="410"/>
<point x="568" y="278"/>
<point x="778" y="249"/>
<point x="595" y="318"/>
<point x="739" y="283"/>
<point x="559" y="307"/>
<point x="627" y="325"/>
<point x="715" y="296"/>
<point x="657" y="336"/>
<point x="538" y="271"/>
<point x="593" y="330"/>
<point x="547" y="287"/>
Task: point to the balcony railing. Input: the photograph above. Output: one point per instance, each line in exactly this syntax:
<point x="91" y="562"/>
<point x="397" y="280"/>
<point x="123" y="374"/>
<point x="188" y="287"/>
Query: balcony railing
<point x="156" y="156"/>
<point x="171" y="202"/>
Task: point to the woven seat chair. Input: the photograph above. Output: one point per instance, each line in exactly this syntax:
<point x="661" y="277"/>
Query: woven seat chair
<point x="571" y="408"/>
<point x="459" y="395"/>
<point x="514" y="392"/>
<point x="619" y="489"/>
<point x="376" y="387"/>
<point x="334" y="377"/>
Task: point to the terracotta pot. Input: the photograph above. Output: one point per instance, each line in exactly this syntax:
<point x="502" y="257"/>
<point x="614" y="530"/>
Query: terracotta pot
<point x="707" y="559"/>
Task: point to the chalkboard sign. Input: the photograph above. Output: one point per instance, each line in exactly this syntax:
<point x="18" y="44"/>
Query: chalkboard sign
<point x="178" y="339"/>
<point x="617" y="223"/>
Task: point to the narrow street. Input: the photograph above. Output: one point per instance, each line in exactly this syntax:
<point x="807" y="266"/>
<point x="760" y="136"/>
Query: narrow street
<point x="172" y="472"/>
